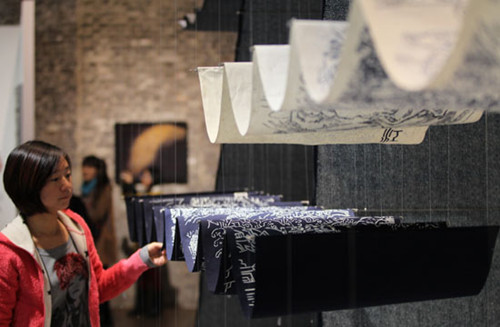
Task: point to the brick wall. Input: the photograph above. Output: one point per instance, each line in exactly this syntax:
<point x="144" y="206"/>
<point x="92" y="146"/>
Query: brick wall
<point x="10" y="12"/>
<point x="55" y="69"/>
<point x="104" y="62"/>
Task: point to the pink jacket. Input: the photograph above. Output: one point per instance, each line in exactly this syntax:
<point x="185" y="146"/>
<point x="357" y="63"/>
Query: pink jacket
<point x="24" y="290"/>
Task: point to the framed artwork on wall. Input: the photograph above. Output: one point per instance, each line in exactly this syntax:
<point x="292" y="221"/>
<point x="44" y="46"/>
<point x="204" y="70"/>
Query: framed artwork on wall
<point x="157" y="149"/>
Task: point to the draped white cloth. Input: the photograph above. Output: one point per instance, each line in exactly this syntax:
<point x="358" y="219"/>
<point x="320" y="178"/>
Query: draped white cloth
<point x="384" y="76"/>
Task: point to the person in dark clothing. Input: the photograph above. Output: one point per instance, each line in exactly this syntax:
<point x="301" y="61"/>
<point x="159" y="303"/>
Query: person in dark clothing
<point x="76" y="204"/>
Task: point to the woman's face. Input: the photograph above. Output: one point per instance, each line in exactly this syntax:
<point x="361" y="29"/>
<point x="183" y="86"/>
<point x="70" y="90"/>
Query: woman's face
<point x="146" y="178"/>
<point x="57" y="191"/>
<point x="88" y="173"/>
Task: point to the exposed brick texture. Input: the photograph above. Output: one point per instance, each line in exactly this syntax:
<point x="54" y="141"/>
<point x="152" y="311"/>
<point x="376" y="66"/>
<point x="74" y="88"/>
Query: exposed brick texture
<point x="10" y="12"/>
<point x="104" y="62"/>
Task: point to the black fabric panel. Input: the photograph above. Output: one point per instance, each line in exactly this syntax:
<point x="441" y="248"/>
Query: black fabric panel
<point x="266" y="22"/>
<point x="287" y="170"/>
<point x="217" y="15"/>
<point x="336" y="9"/>
<point x="369" y="268"/>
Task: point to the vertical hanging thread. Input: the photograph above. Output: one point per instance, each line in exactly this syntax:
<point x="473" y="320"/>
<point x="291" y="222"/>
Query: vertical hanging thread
<point x="380" y="178"/>
<point x="402" y="180"/>
<point x="448" y="176"/>
<point x="176" y="36"/>
<point x="250" y="19"/>
<point x="219" y="22"/>
<point x="486" y="288"/>
<point x="219" y="61"/>
<point x="486" y="182"/>
<point x="365" y="200"/>
<point x="161" y="280"/>
<point x="306" y="173"/>
<point x="429" y="176"/>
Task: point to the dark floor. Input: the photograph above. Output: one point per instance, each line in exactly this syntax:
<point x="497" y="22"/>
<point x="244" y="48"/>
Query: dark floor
<point x="170" y="317"/>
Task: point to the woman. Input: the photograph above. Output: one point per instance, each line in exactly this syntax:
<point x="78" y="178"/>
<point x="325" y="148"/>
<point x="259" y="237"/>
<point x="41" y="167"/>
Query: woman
<point x="39" y="249"/>
<point x="98" y="203"/>
<point x="97" y="197"/>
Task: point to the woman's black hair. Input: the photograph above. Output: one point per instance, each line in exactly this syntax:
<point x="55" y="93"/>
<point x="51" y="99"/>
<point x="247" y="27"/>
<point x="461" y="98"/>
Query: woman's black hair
<point x="26" y="172"/>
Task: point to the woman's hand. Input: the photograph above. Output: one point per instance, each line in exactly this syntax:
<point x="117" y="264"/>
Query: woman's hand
<point x="156" y="254"/>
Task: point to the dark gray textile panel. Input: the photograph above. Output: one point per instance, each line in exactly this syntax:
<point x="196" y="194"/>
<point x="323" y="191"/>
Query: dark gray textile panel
<point x="452" y="176"/>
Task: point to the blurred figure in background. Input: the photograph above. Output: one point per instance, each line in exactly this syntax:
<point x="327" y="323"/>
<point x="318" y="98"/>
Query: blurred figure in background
<point x="97" y="198"/>
<point x="148" y="182"/>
